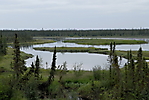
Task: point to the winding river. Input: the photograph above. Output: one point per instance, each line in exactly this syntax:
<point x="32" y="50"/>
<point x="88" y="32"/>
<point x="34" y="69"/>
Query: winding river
<point x="86" y="60"/>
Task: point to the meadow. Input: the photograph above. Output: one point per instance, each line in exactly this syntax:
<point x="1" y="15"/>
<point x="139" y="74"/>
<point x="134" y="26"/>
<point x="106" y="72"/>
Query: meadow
<point x="103" y="41"/>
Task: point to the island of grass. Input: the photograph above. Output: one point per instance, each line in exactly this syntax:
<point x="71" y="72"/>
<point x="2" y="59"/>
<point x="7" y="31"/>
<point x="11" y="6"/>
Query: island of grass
<point x="70" y="49"/>
<point x="93" y="50"/>
<point x="104" y="41"/>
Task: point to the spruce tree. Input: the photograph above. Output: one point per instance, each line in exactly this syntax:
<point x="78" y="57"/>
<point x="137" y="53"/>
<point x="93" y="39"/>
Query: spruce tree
<point x="32" y="69"/>
<point x="44" y="86"/>
<point x="53" y="68"/>
<point x="139" y="66"/>
<point x="37" y="67"/>
<point x="3" y="45"/>
<point x="18" y="63"/>
<point x="131" y="71"/>
<point x="4" y="49"/>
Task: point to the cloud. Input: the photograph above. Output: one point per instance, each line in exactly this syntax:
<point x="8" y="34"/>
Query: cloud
<point x="74" y="13"/>
<point x="108" y="6"/>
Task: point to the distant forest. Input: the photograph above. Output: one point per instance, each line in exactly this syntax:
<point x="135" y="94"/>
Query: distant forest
<point x="25" y="35"/>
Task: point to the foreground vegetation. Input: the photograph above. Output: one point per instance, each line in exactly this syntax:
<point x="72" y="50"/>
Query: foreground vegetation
<point x="17" y="82"/>
<point x="6" y="60"/>
<point x="104" y="41"/>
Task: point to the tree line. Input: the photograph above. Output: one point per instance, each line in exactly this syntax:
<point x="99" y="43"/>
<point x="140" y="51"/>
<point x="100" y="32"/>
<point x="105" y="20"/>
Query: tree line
<point x="28" y="34"/>
<point x="23" y="36"/>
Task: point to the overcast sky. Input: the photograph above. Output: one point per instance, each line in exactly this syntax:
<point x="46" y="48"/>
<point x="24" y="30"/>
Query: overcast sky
<point x="74" y="14"/>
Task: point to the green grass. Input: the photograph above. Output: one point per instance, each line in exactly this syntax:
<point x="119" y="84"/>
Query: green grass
<point x="40" y="41"/>
<point x="6" y="60"/>
<point x="70" y="49"/>
<point x="35" y="41"/>
<point x="104" y="41"/>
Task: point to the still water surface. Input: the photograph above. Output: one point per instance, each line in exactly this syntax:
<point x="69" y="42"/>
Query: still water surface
<point x="87" y="60"/>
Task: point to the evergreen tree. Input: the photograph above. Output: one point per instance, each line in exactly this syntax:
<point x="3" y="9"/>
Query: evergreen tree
<point x="44" y="86"/>
<point x="32" y="69"/>
<point x="139" y="66"/>
<point x="114" y="66"/>
<point x="126" y="76"/>
<point x="37" y="67"/>
<point x="18" y="63"/>
<point x="131" y="71"/>
<point x="53" y="68"/>
<point x="3" y="45"/>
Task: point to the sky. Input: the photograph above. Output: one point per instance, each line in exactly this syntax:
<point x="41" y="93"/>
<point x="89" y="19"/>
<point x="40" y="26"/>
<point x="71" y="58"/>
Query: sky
<point x="74" y="14"/>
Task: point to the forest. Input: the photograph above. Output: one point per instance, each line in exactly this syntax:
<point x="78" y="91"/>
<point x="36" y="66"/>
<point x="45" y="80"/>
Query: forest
<point x="18" y="82"/>
<point x="79" y="33"/>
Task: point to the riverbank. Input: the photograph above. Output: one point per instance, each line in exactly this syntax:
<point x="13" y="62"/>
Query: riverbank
<point x="36" y="41"/>
<point x="93" y="50"/>
<point x="103" y="41"/>
<point x="5" y="61"/>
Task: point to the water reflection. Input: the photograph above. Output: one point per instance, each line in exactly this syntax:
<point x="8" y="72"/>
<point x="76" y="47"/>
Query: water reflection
<point x="88" y="60"/>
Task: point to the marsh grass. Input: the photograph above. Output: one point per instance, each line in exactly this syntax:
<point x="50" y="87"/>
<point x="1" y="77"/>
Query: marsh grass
<point x="35" y="41"/>
<point x="5" y="60"/>
<point x="103" y="41"/>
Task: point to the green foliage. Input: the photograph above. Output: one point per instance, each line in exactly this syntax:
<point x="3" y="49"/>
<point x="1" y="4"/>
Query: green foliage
<point x="92" y="91"/>
<point x="63" y="84"/>
<point x="104" y="41"/>
<point x="31" y="89"/>
<point x="77" y="69"/>
<point x="5" y="89"/>
<point x="26" y="34"/>
<point x="97" y="73"/>
<point x="53" y="68"/>
<point x="37" y="67"/>
<point x="3" y="45"/>
<point x="71" y="49"/>
<point x="18" y="63"/>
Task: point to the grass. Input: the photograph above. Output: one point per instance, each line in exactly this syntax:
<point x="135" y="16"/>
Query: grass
<point x="70" y="49"/>
<point x="104" y="41"/>
<point x="40" y="41"/>
<point x="5" y="64"/>
<point x="6" y="60"/>
<point x="84" y="85"/>
<point x="36" y="41"/>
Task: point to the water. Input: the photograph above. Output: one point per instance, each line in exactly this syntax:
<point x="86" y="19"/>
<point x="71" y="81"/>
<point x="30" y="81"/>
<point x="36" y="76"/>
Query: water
<point x="86" y="60"/>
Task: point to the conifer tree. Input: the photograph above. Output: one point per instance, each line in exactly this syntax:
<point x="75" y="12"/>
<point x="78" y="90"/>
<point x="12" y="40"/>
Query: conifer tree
<point x="131" y="71"/>
<point x="139" y="66"/>
<point x="18" y="63"/>
<point x="53" y="68"/>
<point x="32" y="69"/>
<point x="126" y="76"/>
<point x="114" y="66"/>
<point x="37" y="66"/>
<point x="44" y="86"/>
<point x="3" y="45"/>
<point x="110" y="61"/>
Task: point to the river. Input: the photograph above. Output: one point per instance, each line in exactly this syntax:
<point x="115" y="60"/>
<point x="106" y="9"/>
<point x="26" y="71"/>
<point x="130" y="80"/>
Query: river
<point x="86" y="60"/>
